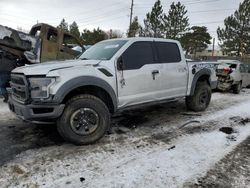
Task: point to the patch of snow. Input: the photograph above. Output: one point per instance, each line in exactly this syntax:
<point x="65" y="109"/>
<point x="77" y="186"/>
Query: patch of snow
<point x="3" y="107"/>
<point x="241" y="109"/>
<point x="28" y="37"/>
<point x="191" y="158"/>
<point x="5" y="113"/>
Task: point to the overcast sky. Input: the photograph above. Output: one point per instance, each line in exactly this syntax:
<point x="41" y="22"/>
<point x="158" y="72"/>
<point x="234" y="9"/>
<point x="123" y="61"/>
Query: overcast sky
<point x="107" y="14"/>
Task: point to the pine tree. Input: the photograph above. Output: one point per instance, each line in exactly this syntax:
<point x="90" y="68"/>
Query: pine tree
<point x="114" y="34"/>
<point x="134" y="28"/>
<point x="176" y="23"/>
<point x="63" y="25"/>
<point x="235" y="36"/>
<point x="91" y="37"/>
<point x="74" y="30"/>
<point x="153" y="24"/>
<point x="196" y="40"/>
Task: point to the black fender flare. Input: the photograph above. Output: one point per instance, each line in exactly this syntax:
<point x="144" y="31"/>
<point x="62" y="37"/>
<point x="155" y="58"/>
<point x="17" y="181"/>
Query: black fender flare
<point x="81" y="81"/>
<point x="202" y="72"/>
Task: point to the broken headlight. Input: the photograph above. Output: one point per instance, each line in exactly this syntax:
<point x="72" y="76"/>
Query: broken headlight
<point x="39" y="87"/>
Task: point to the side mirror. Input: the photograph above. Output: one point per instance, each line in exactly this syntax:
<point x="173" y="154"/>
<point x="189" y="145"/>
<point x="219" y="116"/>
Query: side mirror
<point x="120" y="63"/>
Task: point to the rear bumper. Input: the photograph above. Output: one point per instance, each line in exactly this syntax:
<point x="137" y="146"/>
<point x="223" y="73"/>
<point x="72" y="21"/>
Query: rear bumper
<point x="224" y="86"/>
<point x="36" y="112"/>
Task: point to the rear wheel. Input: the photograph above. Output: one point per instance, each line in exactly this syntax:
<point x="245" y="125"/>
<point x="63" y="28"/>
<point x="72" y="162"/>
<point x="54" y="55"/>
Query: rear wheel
<point x="237" y="88"/>
<point x="201" y="98"/>
<point x="85" y="120"/>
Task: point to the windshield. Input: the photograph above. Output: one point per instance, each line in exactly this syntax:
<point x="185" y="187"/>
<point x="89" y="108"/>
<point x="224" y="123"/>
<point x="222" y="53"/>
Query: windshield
<point x="103" y="50"/>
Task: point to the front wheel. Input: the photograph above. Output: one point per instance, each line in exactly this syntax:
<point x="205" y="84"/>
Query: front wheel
<point x="85" y="120"/>
<point x="201" y="98"/>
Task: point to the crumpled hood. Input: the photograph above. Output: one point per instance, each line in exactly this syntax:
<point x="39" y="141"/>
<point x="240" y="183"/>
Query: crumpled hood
<point x="45" y="68"/>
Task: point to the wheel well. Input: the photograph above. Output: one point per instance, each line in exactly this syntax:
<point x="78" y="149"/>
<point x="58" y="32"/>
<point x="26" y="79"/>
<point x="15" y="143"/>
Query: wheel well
<point x="203" y="78"/>
<point x="95" y="91"/>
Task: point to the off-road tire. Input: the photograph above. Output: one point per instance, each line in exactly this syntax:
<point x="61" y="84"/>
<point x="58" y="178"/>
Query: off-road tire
<point x="237" y="88"/>
<point x="200" y="100"/>
<point x="75" y="104"/>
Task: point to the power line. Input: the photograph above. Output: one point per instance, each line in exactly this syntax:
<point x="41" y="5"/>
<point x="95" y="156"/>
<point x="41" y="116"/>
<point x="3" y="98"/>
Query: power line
<point x="185" y="3"/>
<point x="108" y="13"/>
<point x="215" y="10"/>
<point x="212" y="22"/>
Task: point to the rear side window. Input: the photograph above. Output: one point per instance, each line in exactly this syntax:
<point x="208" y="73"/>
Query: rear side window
<point x="168" y="52"/>
<point x="243" y="68"/>
<point x="137" y="55"/>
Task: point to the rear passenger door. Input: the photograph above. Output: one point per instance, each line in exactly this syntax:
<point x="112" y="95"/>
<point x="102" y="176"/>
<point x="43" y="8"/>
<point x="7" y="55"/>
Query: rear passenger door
<point x="174" y="72"/>
<point x="138" y="81"/>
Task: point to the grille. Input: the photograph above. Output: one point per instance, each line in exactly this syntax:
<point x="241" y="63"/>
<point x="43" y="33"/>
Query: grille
<point x="19" y="87"/>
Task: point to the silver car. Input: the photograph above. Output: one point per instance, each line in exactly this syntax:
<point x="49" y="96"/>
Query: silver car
<point x="232" y="75"/>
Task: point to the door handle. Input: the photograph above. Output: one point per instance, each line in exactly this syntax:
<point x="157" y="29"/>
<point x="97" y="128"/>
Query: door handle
<point x="154" y="72"/>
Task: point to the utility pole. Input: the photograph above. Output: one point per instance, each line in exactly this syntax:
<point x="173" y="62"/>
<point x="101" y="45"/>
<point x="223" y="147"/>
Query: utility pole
<point x="131" y="14"/>
<point x="213" y="47"/>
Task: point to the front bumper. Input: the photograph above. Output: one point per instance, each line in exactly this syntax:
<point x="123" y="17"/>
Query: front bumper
<point x="36" y="112"/>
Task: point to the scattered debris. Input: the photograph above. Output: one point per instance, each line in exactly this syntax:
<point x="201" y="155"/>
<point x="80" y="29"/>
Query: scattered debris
<point x="185" y="124"/>
<point x="12" y="127"/>
<point x="245" y="121"/>
<point x="190" y="114"/>
<point x="19" y="169"/>
<point x="122" y="130"/>
<point x="236" y="118"/>
<point x="82" y="179"/>
<point x="240" y="120"/>
<point x="171" y="148"/>
<point x="231" y="138"/>
<point x="226" y="130"/>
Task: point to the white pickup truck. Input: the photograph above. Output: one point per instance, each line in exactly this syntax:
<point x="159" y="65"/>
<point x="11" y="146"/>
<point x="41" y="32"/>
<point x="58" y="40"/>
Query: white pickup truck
<point x="113" y="75"/>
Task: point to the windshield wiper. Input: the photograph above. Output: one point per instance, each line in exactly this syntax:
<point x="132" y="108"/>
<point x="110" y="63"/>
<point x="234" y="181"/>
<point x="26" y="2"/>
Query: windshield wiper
<point x="84" y="58"/>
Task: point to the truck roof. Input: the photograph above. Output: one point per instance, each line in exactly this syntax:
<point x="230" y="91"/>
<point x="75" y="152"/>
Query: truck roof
<point x="229" y="61"/>
<point x="134" y="39"/>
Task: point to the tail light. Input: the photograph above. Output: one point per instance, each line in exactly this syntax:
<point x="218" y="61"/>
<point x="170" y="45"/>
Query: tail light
<point x="227" y="70"/>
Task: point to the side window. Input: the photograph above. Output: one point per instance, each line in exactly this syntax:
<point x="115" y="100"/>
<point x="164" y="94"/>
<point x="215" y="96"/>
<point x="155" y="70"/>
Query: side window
<point x="137" y="55"/>
<point x="52" y="35"/>
<point x="168" y="52"/>
<point x="242" y="68"/>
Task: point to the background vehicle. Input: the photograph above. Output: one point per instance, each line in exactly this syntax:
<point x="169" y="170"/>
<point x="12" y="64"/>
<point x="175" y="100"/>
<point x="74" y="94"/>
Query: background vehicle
<point x="43" y="43"/>
<point x="111" y="76"/>
<point x="232" y="74"/>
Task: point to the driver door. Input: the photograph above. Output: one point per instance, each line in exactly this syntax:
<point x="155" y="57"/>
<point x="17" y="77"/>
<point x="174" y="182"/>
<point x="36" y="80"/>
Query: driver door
<point x="139" y="79"/>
